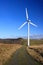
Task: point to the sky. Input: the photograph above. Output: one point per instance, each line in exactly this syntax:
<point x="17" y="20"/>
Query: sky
<point x="13" y="15"/>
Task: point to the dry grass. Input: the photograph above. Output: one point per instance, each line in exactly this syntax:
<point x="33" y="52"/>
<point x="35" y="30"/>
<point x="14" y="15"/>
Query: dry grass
<point x="36" y="52"/>
<point x="6" y="51"/>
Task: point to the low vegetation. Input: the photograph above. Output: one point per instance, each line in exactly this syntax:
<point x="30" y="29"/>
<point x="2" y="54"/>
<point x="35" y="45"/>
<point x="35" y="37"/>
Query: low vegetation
<point x="36" y="41"/>
<point x="36" y="52"/>
<point x="6" y="50"/>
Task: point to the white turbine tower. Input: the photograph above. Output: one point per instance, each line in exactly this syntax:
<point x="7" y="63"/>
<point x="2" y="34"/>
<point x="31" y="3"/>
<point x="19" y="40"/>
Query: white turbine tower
<point x="27" y="22"/>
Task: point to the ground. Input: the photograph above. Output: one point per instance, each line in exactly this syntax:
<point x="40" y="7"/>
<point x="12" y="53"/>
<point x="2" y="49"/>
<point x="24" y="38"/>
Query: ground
<point x="16" y="52"/>
<point x="21" y="57"/>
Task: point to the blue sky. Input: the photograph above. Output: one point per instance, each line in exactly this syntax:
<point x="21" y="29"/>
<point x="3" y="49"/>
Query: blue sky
<point x="12" y="15"/>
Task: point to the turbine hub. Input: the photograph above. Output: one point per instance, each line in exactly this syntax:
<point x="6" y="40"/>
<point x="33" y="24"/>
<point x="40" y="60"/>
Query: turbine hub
<point x="28" y="20"/>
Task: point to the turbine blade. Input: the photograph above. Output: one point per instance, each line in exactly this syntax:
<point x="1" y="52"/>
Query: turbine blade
<point x="33" y="24"/>
<point x="26" y="14"/>
<point x="22" y="25"/>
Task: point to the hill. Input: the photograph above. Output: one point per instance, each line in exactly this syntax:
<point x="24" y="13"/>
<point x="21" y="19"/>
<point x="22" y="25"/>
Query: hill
<point x="21" y="41"/>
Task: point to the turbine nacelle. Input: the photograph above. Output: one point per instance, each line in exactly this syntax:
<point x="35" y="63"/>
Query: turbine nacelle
<point x="28" y="21"/>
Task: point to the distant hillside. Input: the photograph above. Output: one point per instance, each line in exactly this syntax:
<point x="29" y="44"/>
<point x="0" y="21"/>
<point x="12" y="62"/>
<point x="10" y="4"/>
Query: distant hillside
<point x="21" y="41"/>
<point x="11" y="41"/>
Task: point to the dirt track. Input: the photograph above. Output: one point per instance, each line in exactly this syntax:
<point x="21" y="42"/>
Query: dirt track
<point x="21" y="57"/>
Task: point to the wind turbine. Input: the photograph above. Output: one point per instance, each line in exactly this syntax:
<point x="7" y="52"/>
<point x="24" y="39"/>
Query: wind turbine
<point x="27" y="22"/>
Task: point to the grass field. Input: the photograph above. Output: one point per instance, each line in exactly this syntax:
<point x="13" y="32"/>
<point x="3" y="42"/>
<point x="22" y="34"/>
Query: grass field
<point x="36" y="52"/>
<point x="36" y="41"/>
<point x="6" y="50"/>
